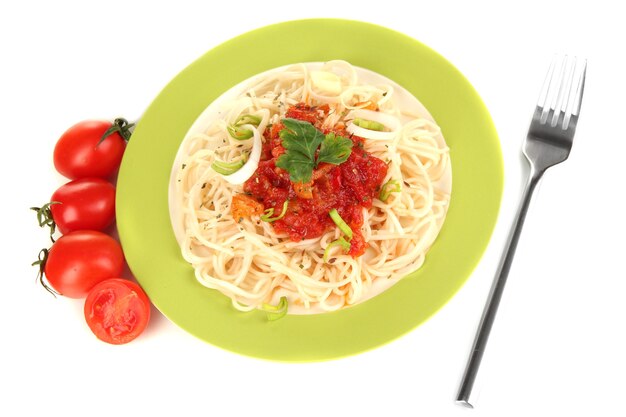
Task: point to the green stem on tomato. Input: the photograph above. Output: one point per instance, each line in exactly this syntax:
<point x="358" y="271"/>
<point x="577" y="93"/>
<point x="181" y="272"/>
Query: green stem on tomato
<point x="42" y="258"/>
<point x="44" y="217"/>
<point x="121" y="126"/>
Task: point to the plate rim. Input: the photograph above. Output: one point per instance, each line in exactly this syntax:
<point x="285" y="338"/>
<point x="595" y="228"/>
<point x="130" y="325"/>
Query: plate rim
<point x="290" y="339"/>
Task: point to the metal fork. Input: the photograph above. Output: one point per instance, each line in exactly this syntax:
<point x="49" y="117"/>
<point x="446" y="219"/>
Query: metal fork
<point x="548" y="143"/>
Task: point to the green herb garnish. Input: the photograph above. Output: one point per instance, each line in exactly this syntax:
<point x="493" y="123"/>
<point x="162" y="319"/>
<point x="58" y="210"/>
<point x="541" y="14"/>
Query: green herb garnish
<point x="267" y="216"/>
<point x="239" y="133"/>
<point x="248" y="119"/>
<point x="227" y="168"/>
<point x="369" y="124"/>
<point x="345" y="245"/>
<point x="341" y="224"/>
<point x="275" y="312"/>
<point x="236" y="131"/>
<point x="391" y="186"/>
<point x="301" y="141"/>
<point x="334" y="150"/>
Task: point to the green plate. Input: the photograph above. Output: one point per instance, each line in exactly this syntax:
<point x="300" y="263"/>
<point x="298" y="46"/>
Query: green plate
<point x="142" y="192"/>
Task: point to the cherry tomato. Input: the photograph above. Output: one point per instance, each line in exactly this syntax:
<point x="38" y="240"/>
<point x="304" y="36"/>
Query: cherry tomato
<point x="117" y="310"/>
<point x="83" y="204"/>
<point x="81" y="152"/>
<point x="79" y="260"/>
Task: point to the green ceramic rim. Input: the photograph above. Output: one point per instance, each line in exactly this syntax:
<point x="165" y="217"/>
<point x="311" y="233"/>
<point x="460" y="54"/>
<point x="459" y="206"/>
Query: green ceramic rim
<point x="142" y="192"/>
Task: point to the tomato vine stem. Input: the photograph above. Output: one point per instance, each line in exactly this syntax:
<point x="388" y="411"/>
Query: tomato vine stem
<point x="42" y="258"/>
<point x="44" y="217"/>
<point x="121" y="126"/>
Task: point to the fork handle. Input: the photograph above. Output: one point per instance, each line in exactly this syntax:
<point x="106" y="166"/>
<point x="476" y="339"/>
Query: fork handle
<point x="495" y="295"/>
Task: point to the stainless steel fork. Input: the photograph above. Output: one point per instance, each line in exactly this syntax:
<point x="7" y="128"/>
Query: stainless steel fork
<point x="548" y="143"/>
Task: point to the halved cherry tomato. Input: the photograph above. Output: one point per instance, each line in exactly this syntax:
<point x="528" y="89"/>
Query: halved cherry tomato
<point x="79" y="260"/>
<point x="83" y="204"/>
<point x="117" y="310"/>
<point x="82" y="152"/>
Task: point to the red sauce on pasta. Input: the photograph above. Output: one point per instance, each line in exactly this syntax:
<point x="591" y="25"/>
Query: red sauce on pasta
<point x="348" y="187"/>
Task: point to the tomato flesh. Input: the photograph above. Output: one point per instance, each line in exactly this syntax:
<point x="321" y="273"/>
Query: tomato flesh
<point x="79" y="260"/>
<point x="84" y="204"/>
<point x="117" y="310"/>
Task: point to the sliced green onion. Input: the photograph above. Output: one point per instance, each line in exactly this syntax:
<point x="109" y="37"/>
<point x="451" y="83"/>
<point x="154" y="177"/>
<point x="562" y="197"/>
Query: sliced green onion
<point x="341" y="224"/>
<point x="248" y="119"/>
<point x="239" y="133"/>
<point x="369" y="124"/>
<point x="345" y="245"/>
<point x="276" y="312"/>
<point x="227" y="168"/>
<point x="267" y="217"/>
<point x="391" y="186"/>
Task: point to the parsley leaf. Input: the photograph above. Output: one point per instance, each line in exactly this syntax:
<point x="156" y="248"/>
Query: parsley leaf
<point x="301" y="141"/>
<point x="335" y="149"/>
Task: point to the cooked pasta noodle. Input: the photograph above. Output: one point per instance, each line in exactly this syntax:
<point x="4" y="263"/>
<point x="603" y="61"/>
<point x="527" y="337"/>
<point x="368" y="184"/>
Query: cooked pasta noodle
<point x="247" y="260"/>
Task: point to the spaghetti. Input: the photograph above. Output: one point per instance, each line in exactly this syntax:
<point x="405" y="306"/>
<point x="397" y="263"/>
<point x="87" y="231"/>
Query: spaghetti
<point x="258" y="257"/>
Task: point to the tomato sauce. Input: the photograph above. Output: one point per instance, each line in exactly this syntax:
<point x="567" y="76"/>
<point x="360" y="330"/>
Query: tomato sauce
<point x="348" y="187"/>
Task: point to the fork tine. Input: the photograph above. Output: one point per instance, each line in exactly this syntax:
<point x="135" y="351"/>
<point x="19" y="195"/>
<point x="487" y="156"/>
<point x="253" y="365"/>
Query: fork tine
<point x="542" y="102"/>
<point x="573" y="106"/>
<point x="556" y="89"/>
<point x="565" y="91"/>
<point x="580" y="90"/>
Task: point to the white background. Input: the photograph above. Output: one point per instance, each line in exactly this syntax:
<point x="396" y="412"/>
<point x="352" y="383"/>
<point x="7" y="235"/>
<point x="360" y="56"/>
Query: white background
<point x="557" y="347"/>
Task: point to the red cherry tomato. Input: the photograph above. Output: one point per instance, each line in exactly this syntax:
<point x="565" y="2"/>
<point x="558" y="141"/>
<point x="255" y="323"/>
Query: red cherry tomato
<point x="83" y="204"/>
<point x="79" y="260"/>
<point x="80" y="153"/>
<point x="117" y="310"/>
